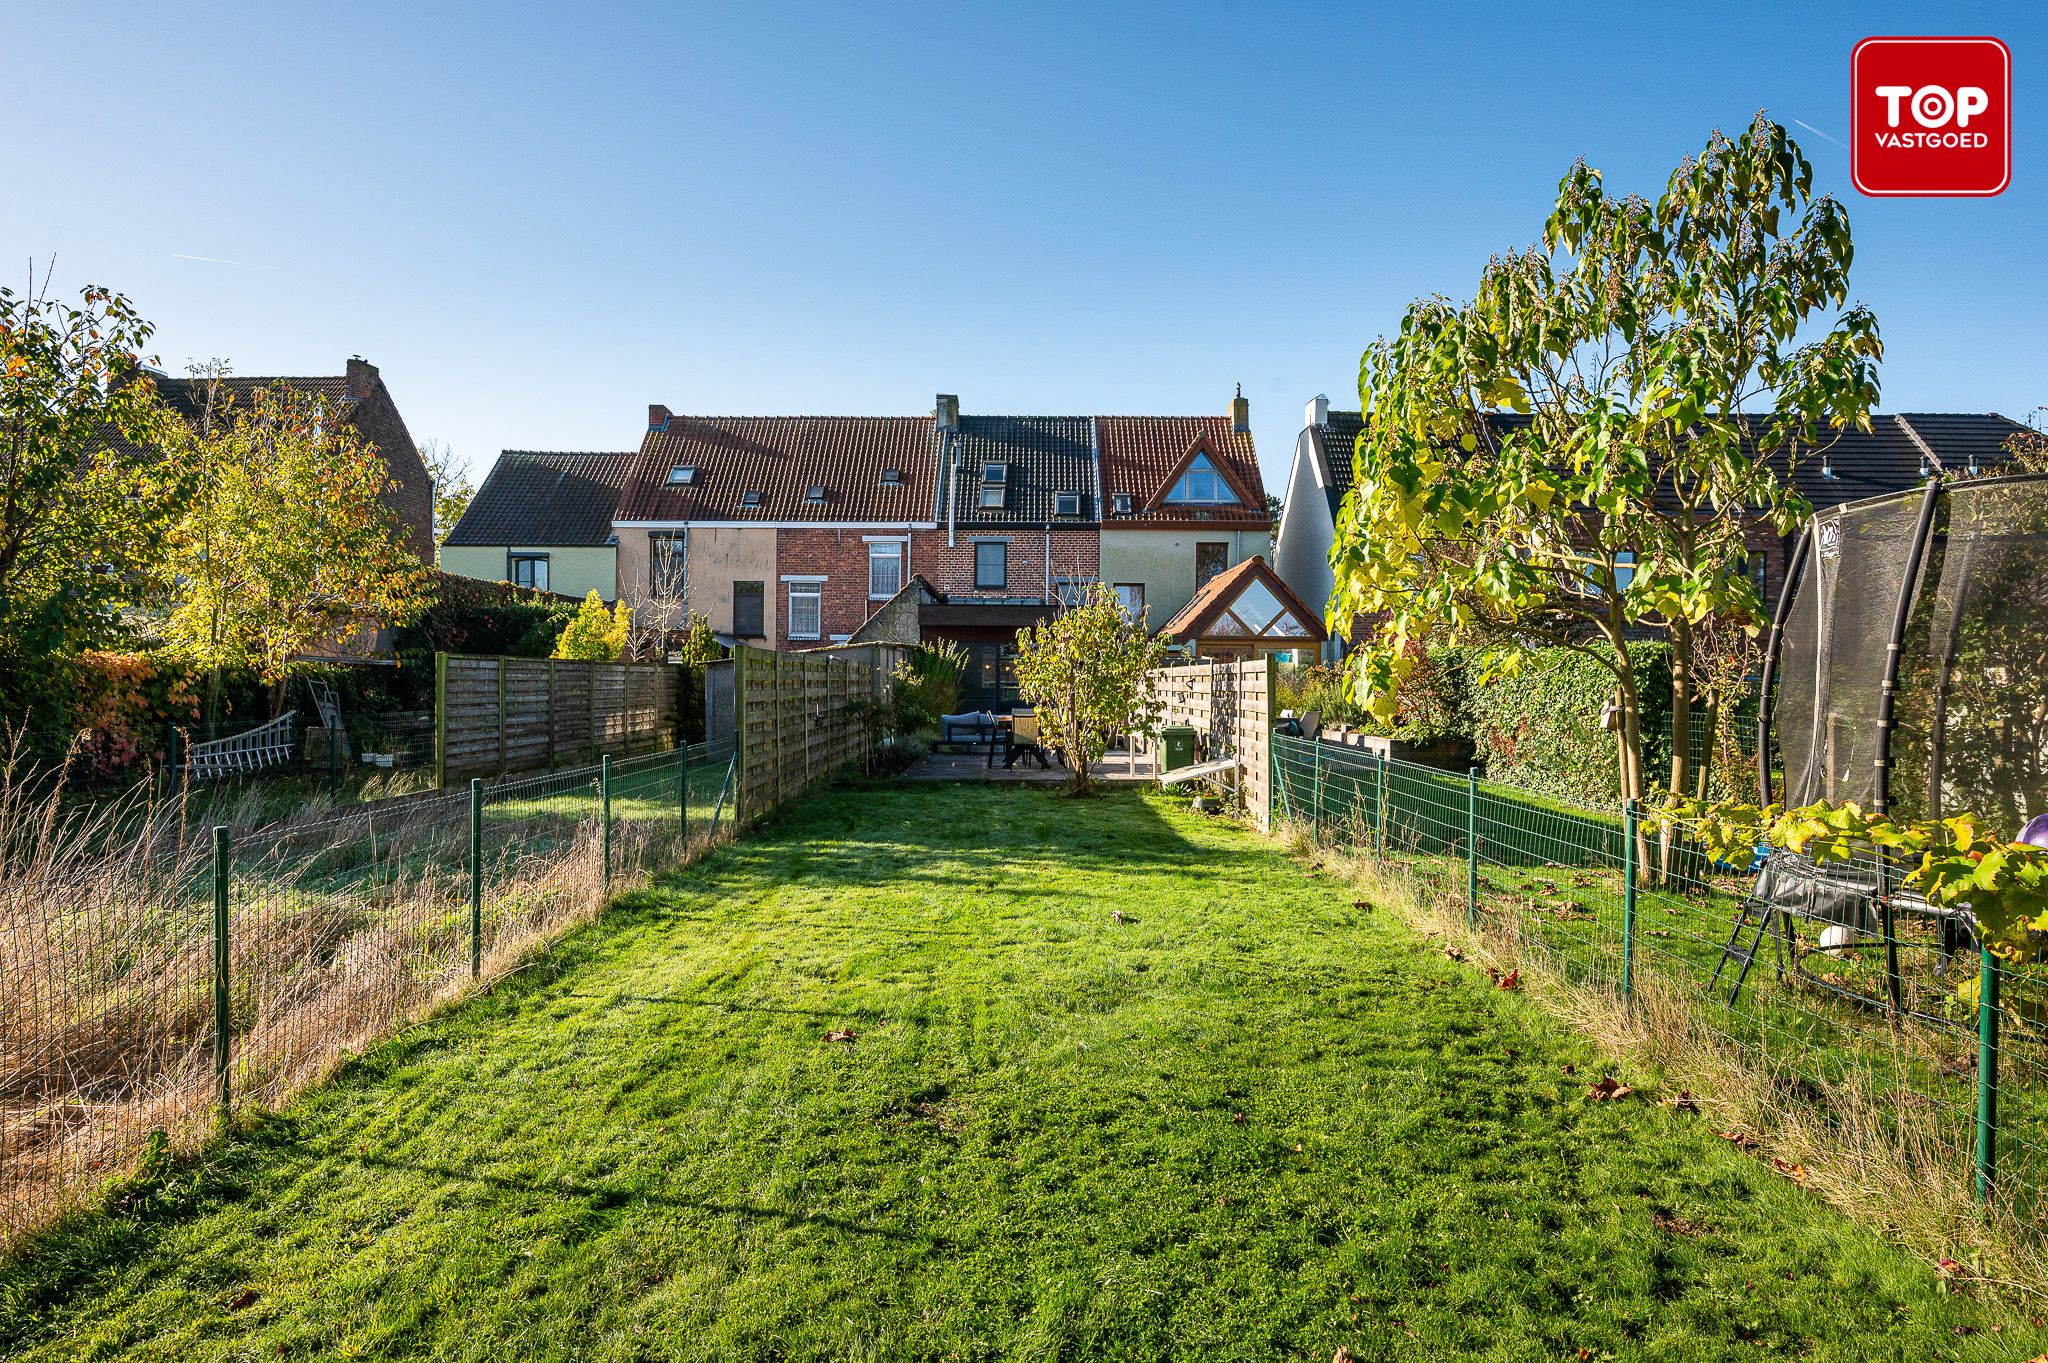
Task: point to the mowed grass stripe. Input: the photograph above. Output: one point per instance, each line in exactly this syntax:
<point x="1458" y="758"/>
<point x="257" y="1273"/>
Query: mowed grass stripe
<point x="1250" y="1121"/>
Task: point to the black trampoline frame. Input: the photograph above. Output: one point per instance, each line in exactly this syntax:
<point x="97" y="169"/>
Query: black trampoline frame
<point x="1958" y="930"/>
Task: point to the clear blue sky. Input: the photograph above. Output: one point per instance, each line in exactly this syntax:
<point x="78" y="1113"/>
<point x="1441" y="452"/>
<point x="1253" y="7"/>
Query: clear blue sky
<point x="539" y="218"/>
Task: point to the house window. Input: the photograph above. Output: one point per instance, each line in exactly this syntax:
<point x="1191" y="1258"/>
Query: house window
<point x="1067" y="504"/>
<point x="1201" y="485"/>
<point x="995" y="486"/>
<point x="667" y="566"/>
<point x="751" y="497"/>
<point x="885" y="569"/>
<point x="991" y="565"/>
<point x="682" y="476"/>
<point x="1123" y="502"/>
<point x="892" y="477"/>
<point x="748" y="615"/>
<point x="529" y="570"/>
<point x="1070" y="591"/>
<point x="1211" y="558"/>
<point x="1624" y="569"/>
<point x="1757" y="564"/>
<point x="1131" y="596"/>
<point x="815" y="494"/>
<point x="806" y="610"/>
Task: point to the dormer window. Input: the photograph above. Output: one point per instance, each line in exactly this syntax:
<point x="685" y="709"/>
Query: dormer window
<point x="815" y="494"/>
<point x="1201" y="485"/>
<point x="892" y="477"/>
<point x="682" y="475"/>
<point x="1066" y="504"/>
<point x="1122" y="501"/>
<point x="751" y="498"/>
<point x="995" y="486"/>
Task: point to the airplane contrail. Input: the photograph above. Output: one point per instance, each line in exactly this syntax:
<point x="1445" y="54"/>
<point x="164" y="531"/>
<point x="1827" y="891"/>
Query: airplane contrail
<point x="1818" y="133"/>
<point x="218" y="260"/>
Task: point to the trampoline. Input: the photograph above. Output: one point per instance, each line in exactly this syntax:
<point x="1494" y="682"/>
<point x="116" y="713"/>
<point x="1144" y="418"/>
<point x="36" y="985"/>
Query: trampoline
<point x="1906" y="670"/>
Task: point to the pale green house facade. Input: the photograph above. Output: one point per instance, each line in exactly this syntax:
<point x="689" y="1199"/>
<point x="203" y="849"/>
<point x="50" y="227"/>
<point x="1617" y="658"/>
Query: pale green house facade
<point x="543" y="520"/>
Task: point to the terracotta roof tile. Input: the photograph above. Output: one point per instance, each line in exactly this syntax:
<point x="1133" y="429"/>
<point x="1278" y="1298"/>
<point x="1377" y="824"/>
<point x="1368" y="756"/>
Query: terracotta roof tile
<point x="1141" y="455"/>
<point x="782" y="458"/>
<point x="1193" y="620"/>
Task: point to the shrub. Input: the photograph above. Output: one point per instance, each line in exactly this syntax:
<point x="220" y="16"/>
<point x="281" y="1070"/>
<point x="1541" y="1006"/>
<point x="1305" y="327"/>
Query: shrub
<point x="928" y="685"/>
<point x="1539" y="728"/>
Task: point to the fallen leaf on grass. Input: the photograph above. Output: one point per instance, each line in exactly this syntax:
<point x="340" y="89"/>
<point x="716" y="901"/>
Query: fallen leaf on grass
<point x="1949" y="1267"/>
<point x="1795" y="1172"/>
<point x="1511" y="980"/>
<point x="1683" y="1101"/>
<point x="243" y="1299"/>
<point x="1571" y="1069"/>
<point x="1454" y="954"/>
<point x="1361" y="905"/>
<point x="1343" y="1355"/>
<point x="1238" y="1118"/>
<point x="1609" y="1090"/>
<point x="1741" y="1140"/>
<point x="846" y="1034"/>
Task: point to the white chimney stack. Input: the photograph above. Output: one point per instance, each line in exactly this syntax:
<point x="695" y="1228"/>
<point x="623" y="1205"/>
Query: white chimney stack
<point x="1317" y="413"/>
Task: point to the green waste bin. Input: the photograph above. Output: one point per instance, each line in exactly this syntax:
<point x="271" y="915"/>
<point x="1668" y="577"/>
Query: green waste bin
<point x="1176" y="747"/>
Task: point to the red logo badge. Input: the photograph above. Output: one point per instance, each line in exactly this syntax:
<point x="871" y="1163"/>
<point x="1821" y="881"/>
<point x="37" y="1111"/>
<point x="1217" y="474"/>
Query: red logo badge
<point x="1931" y="117"/>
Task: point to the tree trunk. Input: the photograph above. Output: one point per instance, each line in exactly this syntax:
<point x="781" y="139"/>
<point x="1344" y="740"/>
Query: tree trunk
<point x="1681" y="740"/>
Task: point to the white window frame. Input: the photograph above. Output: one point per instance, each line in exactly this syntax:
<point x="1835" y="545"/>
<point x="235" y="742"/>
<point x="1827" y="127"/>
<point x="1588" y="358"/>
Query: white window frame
<point x="1125" y="591"/>
<point x="812" y="589"/>
<point x="1066" y="504"/>
<point x="675" y="586"/>
<point x="1184" y="491"/>
<point x="897" y="551"/>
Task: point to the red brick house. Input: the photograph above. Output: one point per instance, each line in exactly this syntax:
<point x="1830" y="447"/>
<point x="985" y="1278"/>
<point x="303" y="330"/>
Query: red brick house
<point x="802" y="532"/>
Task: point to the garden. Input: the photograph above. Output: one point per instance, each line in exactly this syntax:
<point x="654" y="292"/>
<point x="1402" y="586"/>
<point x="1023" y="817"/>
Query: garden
<point x="936" y="1071"/>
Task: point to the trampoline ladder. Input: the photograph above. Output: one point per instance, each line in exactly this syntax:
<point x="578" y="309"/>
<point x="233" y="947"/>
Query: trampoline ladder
<point x="1755" y="920"/>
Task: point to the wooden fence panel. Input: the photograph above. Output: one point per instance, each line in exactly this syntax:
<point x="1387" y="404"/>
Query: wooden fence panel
<point x="1231" y="706"/>
<point x="494" y="716"/>
<point x="800" y="718"/>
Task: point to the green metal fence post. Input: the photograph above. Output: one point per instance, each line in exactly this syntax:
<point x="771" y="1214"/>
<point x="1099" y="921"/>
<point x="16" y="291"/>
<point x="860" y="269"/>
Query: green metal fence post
<point x="604" y="792"/>
<point x="1630" y="822"/>
<point x="1380" y="834"/>
<point x="476" y="876"/>
<point x="334" y="763"/>
<point x="683" y="787"/>
<point x="1987" y="1075"/>
<point x="223" y="1020"/>
<point x="1316" y="792"/>
<point x="1471" y="846"/>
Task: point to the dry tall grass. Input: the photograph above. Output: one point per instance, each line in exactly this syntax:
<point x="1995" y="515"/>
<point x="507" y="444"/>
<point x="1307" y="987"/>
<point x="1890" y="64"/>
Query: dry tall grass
<point x="1897" y="1166"/>
<point x="343" y="928"/>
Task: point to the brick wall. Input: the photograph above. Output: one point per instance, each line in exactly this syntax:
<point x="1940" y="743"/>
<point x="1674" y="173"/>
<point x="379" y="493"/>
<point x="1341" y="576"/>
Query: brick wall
<point x="411" y="493"/>
<point x="841" y="558"/>
<point x="1075" y="553"/>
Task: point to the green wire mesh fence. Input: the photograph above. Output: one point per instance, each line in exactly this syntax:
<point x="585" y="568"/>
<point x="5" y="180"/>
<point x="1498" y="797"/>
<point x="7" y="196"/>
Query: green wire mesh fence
<point x="1870" y="1026"/>
<point x="142" y="999"/>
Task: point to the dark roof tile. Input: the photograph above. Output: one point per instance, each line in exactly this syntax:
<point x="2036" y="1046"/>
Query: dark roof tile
<point x="536" y="497"/>
<point x="781" y="458"/>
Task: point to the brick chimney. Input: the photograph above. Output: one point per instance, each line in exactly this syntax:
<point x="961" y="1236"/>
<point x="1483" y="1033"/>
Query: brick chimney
<point x="1240" y="413"/>
<point x="657" y="417"/>
<point x="946" y="412"/>
<point x="1317" y="412"/>
<point x="361" y="377"/>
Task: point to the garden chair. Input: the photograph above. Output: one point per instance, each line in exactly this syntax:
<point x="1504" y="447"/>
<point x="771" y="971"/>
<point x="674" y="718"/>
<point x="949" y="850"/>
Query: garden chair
<point x="1020" y="739"/>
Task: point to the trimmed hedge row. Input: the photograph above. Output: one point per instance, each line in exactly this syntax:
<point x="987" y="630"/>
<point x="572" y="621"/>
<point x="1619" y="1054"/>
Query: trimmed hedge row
<point x="1537" y="730"/>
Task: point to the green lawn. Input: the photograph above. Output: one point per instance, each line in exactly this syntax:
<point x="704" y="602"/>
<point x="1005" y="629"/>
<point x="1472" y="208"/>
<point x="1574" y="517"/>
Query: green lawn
<point x="1250" y="1121"/>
